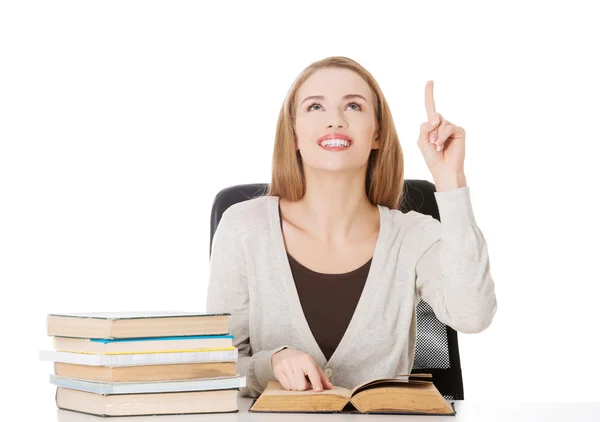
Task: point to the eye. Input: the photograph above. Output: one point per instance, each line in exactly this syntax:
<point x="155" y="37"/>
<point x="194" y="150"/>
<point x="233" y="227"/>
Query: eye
<point x="357" y="105"/>
<point x="310" y="108"/>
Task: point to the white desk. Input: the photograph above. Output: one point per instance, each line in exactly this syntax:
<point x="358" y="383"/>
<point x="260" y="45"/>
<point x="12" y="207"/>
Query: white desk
<point x="465" y="411"/>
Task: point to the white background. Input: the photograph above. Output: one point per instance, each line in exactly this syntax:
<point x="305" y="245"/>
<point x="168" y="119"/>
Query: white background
<point x="120" y="121"/>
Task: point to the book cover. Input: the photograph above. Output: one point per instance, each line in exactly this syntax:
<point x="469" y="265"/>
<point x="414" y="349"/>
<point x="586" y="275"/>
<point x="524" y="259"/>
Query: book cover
<point x="138" y="359"/>
<point x="121" y="340"/>
<point x="111" y="388"/>
<point x="137" y="314"/>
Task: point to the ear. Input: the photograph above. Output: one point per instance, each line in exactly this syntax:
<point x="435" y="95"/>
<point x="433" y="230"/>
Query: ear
<point x="376" y="144"/>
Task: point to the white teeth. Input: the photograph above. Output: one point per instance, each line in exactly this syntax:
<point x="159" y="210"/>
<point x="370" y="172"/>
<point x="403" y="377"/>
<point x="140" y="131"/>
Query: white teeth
<point x="335" y="142"/>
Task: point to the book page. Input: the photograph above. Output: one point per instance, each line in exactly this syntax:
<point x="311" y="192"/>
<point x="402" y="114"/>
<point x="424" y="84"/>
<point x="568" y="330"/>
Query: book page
<point x="274" y="388"/>
<point x="135" y="314"/>
<point x="400" y="378"/>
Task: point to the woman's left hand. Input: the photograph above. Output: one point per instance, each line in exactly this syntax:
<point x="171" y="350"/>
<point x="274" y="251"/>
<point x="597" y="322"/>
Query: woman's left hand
<point x="442" y="144"/>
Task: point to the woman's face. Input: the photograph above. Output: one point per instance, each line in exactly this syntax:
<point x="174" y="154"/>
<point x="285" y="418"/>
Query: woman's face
<point x="345" y="106"/>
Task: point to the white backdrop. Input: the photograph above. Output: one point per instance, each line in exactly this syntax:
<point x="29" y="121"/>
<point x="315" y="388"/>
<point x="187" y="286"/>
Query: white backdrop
<point x="120" y="121"/>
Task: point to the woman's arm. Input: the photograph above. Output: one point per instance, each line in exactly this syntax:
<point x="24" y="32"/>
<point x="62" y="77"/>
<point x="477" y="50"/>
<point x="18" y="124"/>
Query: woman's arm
<point x="453" y="272"/>
<point x="228" y="292"/>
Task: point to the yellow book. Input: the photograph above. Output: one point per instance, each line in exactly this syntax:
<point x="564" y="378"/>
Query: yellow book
<point x="141" y="373"/>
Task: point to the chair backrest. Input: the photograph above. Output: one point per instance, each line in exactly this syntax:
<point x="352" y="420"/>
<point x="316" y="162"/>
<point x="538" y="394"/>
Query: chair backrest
<point x="436" y="346"/>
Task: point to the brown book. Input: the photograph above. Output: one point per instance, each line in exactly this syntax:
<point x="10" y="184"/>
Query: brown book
<point x="118" y="325"/>
<point x="399" y="395"/>
<point x="169" y="372"/>
<point x="172" y="403"/>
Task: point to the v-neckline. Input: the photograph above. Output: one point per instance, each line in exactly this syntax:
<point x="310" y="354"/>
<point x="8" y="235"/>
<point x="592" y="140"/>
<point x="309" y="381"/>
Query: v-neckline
<point x="292" y="292"/>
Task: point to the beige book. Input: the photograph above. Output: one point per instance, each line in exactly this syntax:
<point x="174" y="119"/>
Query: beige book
<point x="398" y="395"/>
<point x="146" y="372"/>
<point x="171" y="403"/>
<point x="151" y="345"/>
<point x="116" y="325"/>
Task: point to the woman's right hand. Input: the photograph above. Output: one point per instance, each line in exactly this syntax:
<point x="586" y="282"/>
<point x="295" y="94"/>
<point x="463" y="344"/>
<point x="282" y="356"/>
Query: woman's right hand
<point x="291" y="367"/>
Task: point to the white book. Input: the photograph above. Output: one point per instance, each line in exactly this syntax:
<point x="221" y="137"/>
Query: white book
<point x="138" y="359"/>
<point x="136" y="314"/>
<point x="108" y="388"/>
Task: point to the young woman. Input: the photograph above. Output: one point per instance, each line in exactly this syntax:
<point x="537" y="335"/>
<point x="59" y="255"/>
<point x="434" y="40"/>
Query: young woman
<point x="322" y="275"/>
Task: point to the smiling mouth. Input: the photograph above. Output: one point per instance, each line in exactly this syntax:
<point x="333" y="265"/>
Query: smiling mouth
<point x="335" y="144"/>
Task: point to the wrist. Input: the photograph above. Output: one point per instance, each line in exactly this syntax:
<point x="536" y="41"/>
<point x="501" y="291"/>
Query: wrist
<point x="450" y="181"/>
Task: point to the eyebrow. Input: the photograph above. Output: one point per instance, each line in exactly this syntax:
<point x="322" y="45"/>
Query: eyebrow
<point x="345" y="97"/>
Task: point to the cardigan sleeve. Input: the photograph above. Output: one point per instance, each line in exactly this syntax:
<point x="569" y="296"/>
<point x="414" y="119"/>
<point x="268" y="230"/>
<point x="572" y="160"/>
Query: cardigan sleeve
<point x="453" y="270"/>
<point x="228" y="292"/>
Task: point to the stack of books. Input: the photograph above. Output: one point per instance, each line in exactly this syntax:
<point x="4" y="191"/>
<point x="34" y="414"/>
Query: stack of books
<point x="143" y="363"/>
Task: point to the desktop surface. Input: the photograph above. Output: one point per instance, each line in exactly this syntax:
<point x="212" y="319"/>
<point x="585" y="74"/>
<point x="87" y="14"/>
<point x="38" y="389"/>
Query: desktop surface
<point x="471" y="411"/>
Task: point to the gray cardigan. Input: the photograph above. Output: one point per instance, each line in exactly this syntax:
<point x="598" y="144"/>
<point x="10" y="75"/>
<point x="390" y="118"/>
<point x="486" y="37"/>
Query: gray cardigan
<point x="415" y="257"/>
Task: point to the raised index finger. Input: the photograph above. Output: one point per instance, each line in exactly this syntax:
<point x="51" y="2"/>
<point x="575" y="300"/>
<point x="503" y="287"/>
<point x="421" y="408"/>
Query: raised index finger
<point x="429" y="103"/>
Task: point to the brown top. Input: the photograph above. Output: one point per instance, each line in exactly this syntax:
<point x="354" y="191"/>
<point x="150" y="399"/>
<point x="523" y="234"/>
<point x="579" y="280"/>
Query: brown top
<point x="328" y="300"/>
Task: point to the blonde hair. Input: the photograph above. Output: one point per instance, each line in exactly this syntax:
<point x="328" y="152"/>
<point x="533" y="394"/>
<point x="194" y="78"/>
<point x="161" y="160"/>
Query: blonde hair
<point x="385" y="168"/>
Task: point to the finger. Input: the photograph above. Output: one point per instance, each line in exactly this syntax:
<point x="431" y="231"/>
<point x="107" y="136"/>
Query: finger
<point x="324" y="379"/>
<point x="284" y="375"/>
<point x="284" y="380"/>
<point x="427" y="130"/>
<point x="430" y="103"/>
<point x="435" y="130"/>
<point x="443" y="132"/>
<point x="289" y="375"/>
<point x="445" y="136"/>
<point x="299" y="379"/>
<point x="314" y="377"/>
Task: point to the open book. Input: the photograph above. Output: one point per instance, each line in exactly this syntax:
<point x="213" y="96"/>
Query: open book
<point x="398" y="395"/>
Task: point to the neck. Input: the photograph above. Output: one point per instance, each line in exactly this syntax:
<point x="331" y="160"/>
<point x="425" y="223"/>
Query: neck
<point x="335" y="206"/>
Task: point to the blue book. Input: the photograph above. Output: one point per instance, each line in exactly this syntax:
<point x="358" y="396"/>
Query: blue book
<point x="117" y="340"/>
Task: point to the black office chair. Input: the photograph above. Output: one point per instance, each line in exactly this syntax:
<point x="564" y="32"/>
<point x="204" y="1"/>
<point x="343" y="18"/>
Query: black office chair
<point x="436" y="346"/>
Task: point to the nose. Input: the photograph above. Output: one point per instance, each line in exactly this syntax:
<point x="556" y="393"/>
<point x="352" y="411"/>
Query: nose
<point x="337" y="121"/>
